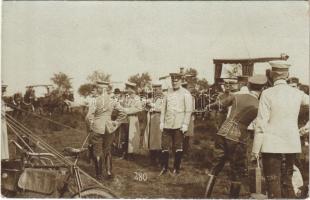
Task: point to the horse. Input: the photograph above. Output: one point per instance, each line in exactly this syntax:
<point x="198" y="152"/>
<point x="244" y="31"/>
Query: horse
<point x="68" y="99"/>
<point x="15" y="103"/>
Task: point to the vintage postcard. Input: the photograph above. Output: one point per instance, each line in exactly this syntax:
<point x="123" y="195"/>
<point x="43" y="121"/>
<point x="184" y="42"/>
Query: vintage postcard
<point x="155" y="99"/>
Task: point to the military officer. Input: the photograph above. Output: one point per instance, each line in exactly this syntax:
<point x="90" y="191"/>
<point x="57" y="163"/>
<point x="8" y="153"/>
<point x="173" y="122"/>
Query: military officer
<point x="174" y="121"/>
<point x="152" y="132"/>
<point x="131" y="132"/>
<point x="230" y="144"/>
<point x="102" y="128"/>
<point x="190" y="133"/>
<point x="293" y="82"/>
<point x="276" y="132"/>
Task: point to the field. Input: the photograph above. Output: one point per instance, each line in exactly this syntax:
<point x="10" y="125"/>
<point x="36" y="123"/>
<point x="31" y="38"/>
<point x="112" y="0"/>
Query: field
<point x="126" y="183"/>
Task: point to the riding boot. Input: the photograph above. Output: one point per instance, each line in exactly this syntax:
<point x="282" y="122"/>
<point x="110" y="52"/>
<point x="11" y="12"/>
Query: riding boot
<point x="164" y="162"/>
<point x="210" y="183"/>
<point x="234" y="189"/>
<point x="108" y="163"/>
<point x="98" y="167"/>
<point x="124" y="151"/>
<point x="177" y="162"/>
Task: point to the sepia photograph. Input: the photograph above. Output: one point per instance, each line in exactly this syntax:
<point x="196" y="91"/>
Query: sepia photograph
<point x="155" y="99"/>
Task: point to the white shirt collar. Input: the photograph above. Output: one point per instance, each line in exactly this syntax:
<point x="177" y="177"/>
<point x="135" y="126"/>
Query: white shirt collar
<point x="280" y="81"/>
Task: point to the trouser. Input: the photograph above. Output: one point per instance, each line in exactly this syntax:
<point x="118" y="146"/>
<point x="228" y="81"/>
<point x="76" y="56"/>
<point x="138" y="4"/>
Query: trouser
<point x="172" y="139"/>
<point x="124" y="131"/>
<point x="278" y="172"/>
<point x="235" y="154"/>
<point x="101" y="149"/>
<point x="229" y="151"/>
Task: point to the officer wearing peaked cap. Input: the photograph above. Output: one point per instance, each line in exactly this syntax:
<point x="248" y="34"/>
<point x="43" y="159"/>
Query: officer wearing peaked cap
<point x="153" y="135"/>
<point x="231" y="139"/>
<point x="131" y="131"/>
<point x="175" y="117"/>
<point x="276" y="132"/>
<point x="102" y="129"/>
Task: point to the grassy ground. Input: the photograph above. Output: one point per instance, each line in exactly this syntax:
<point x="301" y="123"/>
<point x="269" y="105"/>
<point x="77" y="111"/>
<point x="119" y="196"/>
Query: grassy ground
<point x="126" y="183"/>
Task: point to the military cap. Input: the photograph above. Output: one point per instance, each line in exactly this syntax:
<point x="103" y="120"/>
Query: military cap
<point x="4" y="86"/>
<point x="293" y="80"/>
<point x="184" y="83"/>
<point x="175" y="76"/>
<point x="230" y="81"/>
<point x="256" y="82"/>
<point x="243" y="79"/>
<point x="102" y="83"/>
<point x="117" y="91"/>
<point x="279" y="66"/>
<point x="130" y="84"/>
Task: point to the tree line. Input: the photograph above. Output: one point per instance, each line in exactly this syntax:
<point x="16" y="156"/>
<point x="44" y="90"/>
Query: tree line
<point x="143" y="81"/>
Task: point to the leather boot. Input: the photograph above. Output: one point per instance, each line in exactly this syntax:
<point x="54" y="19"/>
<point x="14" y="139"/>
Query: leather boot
<point x="164" y="162"/>
<point x="234" y="189"/>
<point x="210" y="183"/>
<point x="109" y="165"/>
<point x="177" y="162"/>
<point x="98" y="167"/>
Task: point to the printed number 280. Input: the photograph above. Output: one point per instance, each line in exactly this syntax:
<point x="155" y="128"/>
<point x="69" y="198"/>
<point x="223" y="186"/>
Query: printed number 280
<point x="140" y="176"/>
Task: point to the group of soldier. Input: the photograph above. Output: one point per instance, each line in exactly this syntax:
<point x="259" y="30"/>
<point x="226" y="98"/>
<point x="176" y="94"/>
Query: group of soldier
<point x="166" y="119"/>
<point x="270" y="114"/>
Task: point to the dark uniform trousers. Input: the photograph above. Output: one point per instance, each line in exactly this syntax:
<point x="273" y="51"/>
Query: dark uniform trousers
<point x="172" y="138"/>
<point x="101" y="144"/>
<point x="229" y="151"/>
<point x="278" y="170"/>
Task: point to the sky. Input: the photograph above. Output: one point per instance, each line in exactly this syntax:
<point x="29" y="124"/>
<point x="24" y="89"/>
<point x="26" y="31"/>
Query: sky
<point x="125" y="38"/>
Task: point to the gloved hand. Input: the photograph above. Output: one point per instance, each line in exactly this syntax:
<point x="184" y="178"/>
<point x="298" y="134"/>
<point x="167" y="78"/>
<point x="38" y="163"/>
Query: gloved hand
<point x="184" y="128"/>
<point x="161" y="127"/>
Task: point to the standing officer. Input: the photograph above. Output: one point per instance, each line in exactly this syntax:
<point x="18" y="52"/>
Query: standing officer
<point x="131" y="133"/>
<point x="190" y="132"/>
<point x="102" y="129"/>
<point x="174" y="121"/>
<point x="276" y="132"/>
<point x="230" y="143"/>
<point x="152" y="132"/>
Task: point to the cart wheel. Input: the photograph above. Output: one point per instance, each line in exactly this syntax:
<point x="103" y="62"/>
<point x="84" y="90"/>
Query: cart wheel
<point x="95" y="193"/>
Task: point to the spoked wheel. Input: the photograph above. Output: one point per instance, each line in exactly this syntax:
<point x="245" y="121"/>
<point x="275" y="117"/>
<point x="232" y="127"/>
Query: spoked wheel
<point x="95" y="193"/>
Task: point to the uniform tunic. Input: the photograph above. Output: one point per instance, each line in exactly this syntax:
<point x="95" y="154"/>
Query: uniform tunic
<point x="176" y="109"/>
<point x="100" y="124"/>
<point x="153" y="134"/>
<point x="276" y="128"/>
<point x="133" y="107"/>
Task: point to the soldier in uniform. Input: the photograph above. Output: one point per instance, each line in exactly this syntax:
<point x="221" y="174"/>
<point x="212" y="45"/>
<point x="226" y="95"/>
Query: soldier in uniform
<point x="276" y="132"/>
<point x="102" y="129"/>
<point x="152" y="132"/>
<point x="230" y="143"/>
<point x="131" y="132"/>
<point x="174" y="121"/>
<point x="190" y="133"/>
<point x="293" y="82"/>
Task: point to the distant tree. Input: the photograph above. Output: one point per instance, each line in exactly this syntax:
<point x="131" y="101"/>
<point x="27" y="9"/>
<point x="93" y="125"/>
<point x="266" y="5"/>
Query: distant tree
<point x="142" y="81"/>
<point x="98" y="76"/>
<point x="203" y="84"/>
<point x="62" y="81"/>
<point x="85" y="89"/>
